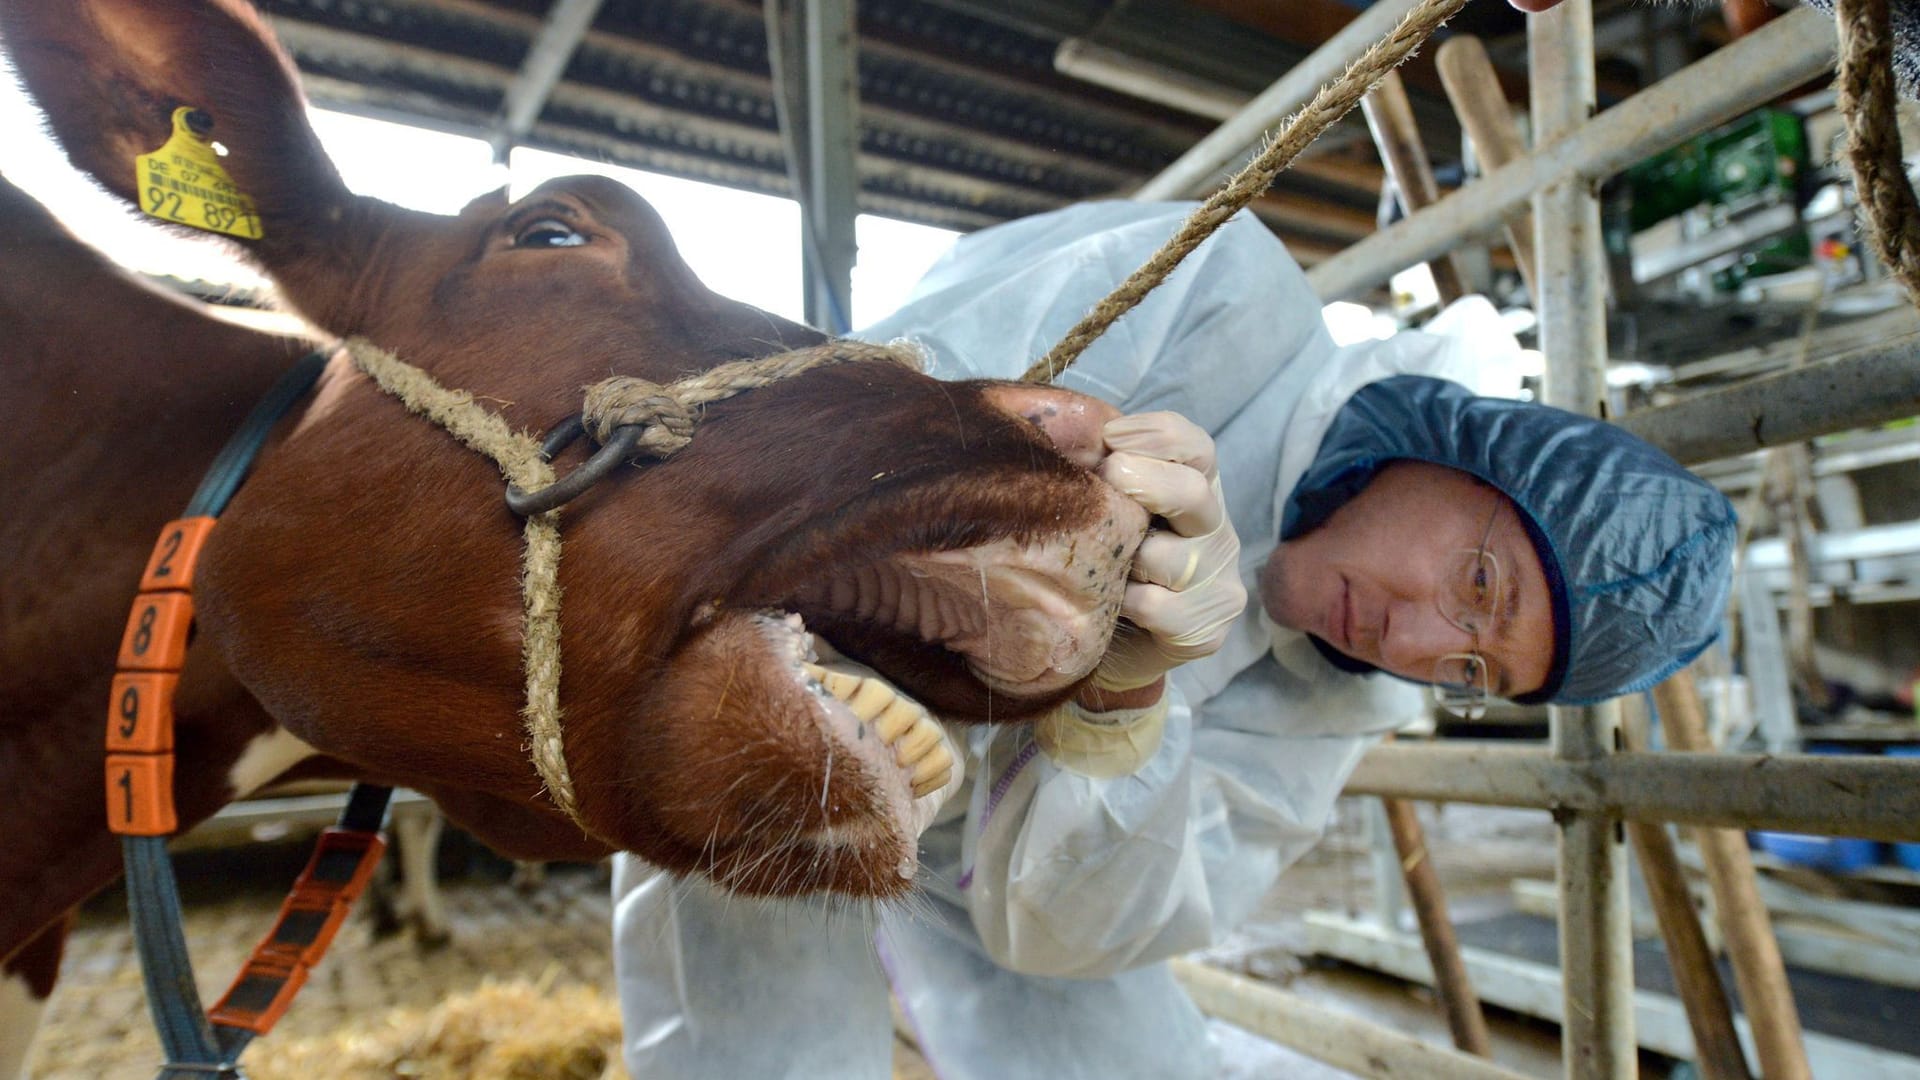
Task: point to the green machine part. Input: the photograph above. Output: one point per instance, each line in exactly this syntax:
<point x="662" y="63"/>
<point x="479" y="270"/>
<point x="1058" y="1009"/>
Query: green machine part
<point x="1757" y="160"/>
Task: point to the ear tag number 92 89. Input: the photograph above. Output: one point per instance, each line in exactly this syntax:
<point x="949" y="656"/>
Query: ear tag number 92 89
<point x="183" y="182"/>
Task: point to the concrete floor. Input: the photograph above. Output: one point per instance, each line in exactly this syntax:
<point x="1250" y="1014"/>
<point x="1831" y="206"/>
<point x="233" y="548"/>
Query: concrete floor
<point x="97" y="1026"/>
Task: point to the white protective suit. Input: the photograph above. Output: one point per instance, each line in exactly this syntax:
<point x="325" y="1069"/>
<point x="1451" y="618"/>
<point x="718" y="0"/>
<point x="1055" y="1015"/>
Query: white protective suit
<point x="1051" y="899"/>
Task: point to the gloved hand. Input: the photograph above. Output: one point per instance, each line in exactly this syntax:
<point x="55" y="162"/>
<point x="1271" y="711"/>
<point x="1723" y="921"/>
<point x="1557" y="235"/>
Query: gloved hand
<point x="1185" y="590"/>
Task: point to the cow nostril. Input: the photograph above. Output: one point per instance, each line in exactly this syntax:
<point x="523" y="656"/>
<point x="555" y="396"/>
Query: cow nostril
<point x="1071" y="420"/>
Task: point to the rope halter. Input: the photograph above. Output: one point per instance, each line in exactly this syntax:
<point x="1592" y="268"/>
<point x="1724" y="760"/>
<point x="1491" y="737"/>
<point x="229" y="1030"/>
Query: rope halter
<point x="627" y="415"/>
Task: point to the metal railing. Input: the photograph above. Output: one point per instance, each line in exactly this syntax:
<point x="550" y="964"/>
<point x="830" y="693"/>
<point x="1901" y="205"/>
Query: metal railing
<point x="1589" y="785"/>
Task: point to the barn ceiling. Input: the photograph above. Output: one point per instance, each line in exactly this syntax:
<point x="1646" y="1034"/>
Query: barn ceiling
<point x="971" y="111"/>
<point x="965" y="119"/>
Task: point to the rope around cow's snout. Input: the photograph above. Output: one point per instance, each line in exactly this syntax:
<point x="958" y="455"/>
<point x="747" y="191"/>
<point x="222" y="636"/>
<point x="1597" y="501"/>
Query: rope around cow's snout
<point x="664" y="414"/>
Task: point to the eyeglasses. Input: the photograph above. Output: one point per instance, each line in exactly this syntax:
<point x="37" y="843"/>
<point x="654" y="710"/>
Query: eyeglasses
<point x="1468" y="596"/>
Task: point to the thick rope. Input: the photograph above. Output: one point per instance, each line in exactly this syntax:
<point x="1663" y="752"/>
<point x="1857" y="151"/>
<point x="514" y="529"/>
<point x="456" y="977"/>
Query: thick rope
<point x="1866" y="94"/>
<point x="519" y="459"/>
<point x="1333" y="101"/>
<point x="667" y="412"/>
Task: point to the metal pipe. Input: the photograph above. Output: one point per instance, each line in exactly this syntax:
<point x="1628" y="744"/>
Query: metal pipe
<point x="1873" y="797"/>
<point x="1336" y="1038"/>
<point x="1751" y="947"/>
<point x="1596" y="934"/>
<point x="1786" y="52"/>
<point x="1860" y="389"/>
<point x="828" y="250"/>
<point x="1229" y="143"/>
<point x="566" y="24"/>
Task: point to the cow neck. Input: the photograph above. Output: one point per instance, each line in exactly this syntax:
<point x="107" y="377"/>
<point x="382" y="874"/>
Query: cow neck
<point x="140" y="805"/>
<point x="626" y="415"/>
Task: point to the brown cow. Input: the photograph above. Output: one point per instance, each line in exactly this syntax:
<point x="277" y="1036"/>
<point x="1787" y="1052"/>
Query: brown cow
<point x="358" y="604"/>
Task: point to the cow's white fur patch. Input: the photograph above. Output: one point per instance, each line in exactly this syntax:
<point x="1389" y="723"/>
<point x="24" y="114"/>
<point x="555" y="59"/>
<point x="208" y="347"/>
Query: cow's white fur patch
<point x="265" y="758"/>
<point x="19" y="1018"/>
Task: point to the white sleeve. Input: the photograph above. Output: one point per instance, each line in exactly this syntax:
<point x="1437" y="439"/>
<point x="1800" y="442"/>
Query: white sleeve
<point x="1068" y="876"/>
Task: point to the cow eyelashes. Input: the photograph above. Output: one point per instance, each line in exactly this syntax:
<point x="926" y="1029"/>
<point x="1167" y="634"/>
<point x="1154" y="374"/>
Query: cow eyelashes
<point x="548" y="232"/>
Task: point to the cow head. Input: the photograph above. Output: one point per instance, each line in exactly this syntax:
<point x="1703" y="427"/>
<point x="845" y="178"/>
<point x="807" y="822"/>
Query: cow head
<point x="364" y="584"/>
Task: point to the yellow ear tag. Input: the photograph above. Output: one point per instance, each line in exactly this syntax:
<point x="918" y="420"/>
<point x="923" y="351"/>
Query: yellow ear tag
<point x="183" y="182"/>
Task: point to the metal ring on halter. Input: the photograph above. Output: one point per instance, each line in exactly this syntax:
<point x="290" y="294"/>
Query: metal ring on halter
<point x="574" y="484"/>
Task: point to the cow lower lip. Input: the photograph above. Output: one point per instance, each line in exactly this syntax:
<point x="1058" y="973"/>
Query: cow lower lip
<point x="1028" y="618"/>
<point x="1019" y="629"/>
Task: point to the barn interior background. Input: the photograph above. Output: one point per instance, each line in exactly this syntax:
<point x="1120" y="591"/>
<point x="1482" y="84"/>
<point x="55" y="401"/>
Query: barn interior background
<point x="1731" y="252"/>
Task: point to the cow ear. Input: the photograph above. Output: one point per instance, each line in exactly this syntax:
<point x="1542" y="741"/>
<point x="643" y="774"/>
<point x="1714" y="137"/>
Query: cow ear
<point x="111" y="75"/>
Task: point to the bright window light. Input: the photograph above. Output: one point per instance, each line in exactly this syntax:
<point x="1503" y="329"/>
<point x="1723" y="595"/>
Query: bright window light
<point x="742" y="244"/>
<point x="1349" y="323"/>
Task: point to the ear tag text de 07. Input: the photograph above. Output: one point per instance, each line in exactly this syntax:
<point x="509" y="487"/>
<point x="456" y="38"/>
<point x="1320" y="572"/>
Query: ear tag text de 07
<point x="183" y="182"/>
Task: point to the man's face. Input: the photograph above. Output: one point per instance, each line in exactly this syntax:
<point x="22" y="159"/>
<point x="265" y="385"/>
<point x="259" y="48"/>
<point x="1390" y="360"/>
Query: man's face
<point x="1372" y="580"/>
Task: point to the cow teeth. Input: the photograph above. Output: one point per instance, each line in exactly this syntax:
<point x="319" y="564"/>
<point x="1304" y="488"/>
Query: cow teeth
<point x="900" y="723"/>
<point x="915" y="744"/>
<point x="841" y="684"/>
<point x="897" y="720"/>
<point x="870" y="699"/>
<point x="933" y="772"/>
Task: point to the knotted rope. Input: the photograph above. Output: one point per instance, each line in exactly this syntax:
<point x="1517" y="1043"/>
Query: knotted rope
<point x="1866" y="96"/>
<point x="667" y="412"/>
<point x="1333" y="101"/>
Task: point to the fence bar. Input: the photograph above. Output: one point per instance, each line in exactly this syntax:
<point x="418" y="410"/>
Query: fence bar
<point x="1336" y="1038"/>
<point x="1465" y="1019"/>
<point x="1481" y="106"/>
<point x="1696" y="975"/>
<point x="1230" y="142"/>
<point x="1873" y="797"/>
<point x="1396" y="135"/>
<point x="1785" y="53"/>
<point x="1860" y="389"/>
<point x="1596" y="934"/>
<point x="1752" y="950"/>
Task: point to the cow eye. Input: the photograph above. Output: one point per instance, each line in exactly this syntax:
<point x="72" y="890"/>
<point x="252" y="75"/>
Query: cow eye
<point x="548" y="233"/>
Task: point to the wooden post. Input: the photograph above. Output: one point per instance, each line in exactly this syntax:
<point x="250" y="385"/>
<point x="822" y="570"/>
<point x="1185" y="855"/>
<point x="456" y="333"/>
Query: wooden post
<point x="1395" y="134"/>
<point x="1751" y="947"/>
<point x="1464" y="1016"/>
<point x="1696" y="977"/>
<point x="1481" y="106"/>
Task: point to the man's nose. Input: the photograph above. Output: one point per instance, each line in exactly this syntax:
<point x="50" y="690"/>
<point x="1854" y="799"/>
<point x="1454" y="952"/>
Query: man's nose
<point x="1417" y="636"/>
<point x="1071" y="419"/>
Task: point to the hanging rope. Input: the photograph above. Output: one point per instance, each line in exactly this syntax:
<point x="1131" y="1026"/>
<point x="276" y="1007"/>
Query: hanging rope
<point x="1333" y="101"/>
<point x="1866" y="95"/>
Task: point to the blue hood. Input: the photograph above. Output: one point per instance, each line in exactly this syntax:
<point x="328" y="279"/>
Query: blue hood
<point x="1637" y="550"/>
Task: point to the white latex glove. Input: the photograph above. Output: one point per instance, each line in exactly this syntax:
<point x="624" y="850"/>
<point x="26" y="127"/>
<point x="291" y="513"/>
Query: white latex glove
<point x="1102" y="745"/>
<point x="1185" y="590"/>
